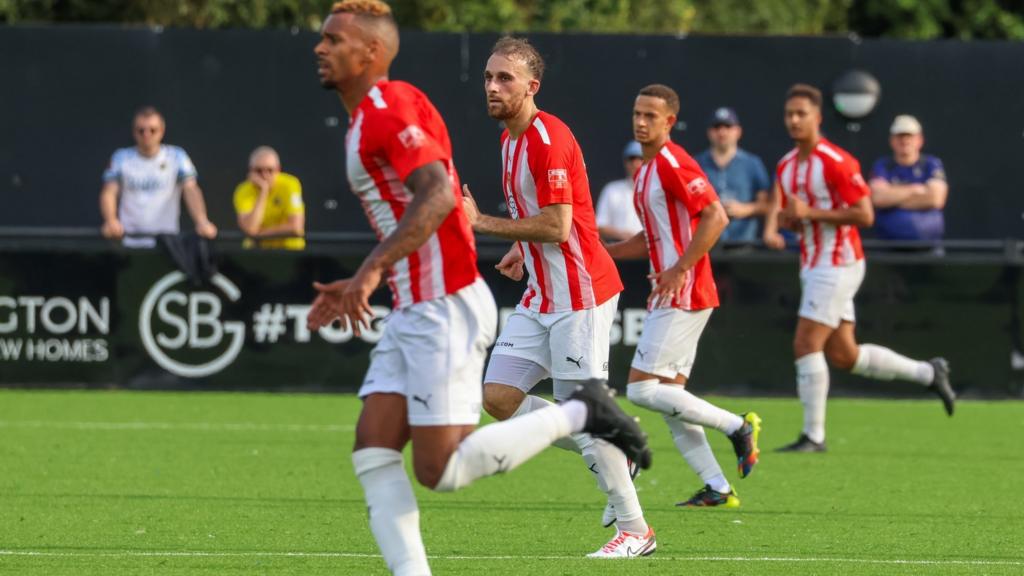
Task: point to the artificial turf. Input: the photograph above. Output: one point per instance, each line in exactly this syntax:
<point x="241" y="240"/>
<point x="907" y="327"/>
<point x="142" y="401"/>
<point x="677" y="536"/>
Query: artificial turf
<point x="206" y="483"/>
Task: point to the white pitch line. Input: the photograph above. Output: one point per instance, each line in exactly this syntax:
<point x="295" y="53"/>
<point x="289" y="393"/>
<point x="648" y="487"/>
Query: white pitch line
<point x="191" y="426"/>
<point x="200" y="554"/>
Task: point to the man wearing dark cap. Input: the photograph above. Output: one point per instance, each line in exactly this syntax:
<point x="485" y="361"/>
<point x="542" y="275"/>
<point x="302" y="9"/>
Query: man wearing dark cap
<point x="616" y="216"/>
<point x="739" y="177"/>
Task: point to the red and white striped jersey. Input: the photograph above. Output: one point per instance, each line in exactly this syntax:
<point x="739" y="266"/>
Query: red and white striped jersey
<point x="392" y="132"/>
<point x="829" y="179"/>
<point x="545" y="166"/>
<point x="670" y="191"/>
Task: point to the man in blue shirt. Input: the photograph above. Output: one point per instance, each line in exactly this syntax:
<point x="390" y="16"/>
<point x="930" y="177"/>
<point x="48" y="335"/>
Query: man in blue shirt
<point x="908" y="189"/>
<point x="738" y="176"/>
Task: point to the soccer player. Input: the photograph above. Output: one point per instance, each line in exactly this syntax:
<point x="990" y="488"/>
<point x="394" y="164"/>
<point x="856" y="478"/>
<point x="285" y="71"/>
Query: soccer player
<point x="423" y="383"/>
<point x="682" y="219"/>
<point x="562" y="326"/>
<point x="823" y="196"/>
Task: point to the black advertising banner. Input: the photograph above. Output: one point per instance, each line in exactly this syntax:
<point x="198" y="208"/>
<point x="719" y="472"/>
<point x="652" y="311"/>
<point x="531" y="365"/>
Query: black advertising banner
<point x="108" y="317"/>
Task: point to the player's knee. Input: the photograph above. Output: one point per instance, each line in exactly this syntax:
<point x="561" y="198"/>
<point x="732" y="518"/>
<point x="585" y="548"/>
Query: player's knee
<point x="499" y="405"/>
<point x="642" y="392"/>
<point x="429" y="473"/>
<point x="841" y="358"/>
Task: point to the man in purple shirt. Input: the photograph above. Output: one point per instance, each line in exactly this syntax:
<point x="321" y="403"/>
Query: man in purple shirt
<point x="908" y="189"/>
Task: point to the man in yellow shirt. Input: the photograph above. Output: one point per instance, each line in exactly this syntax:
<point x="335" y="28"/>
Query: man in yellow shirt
<point x="269" y="204"/>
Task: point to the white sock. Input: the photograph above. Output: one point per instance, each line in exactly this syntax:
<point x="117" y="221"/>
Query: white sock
<point x="609" y="464"/>
<point x="882" y="363"/>
<point x="693" y="445"/>
<point x="812" y="387"/>
<point x="502" y="446"/>
<point x="531" y="403"/>
<point x="394" y="515"/>
<point x="675" y="401"/>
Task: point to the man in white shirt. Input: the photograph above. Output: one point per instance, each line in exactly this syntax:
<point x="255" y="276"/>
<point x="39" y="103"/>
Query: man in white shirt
<point x="150" y="179"/>
<point x="616" y="216"/>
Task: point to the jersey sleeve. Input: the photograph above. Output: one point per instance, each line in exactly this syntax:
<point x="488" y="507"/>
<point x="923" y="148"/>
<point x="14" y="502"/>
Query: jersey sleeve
<point x="847" y="181"/>
<point x="880" y="169"/>
<point x="244" y="199"/>
<point x="687" y="183"/>
<point x="113" y="171"/>
<point x="186" y="169"/>
<point x="293" y="201"/>
<point x="402" y="141"/>
<point x="553" y="166"/>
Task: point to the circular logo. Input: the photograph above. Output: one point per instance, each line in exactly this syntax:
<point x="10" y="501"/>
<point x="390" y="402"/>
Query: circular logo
<point x="188" y="323"/>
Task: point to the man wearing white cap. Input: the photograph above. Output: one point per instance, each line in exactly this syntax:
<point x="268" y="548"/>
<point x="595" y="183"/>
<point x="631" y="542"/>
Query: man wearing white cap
<point x="908" y="189"/>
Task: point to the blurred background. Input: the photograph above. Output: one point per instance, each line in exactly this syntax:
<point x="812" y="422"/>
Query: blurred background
<point x="229" y="76"/>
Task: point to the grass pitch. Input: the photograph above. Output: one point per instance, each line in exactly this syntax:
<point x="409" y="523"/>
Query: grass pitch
<point x="108" y="483"/>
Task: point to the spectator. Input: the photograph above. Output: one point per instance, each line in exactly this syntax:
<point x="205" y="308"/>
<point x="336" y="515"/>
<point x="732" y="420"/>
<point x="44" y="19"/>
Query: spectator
<point x="149" y="180"/>
<point x="269" y="204"/>
<point x="738" y="176"/>
<point x="908" y="189"/>
<point x="616" y="215"/>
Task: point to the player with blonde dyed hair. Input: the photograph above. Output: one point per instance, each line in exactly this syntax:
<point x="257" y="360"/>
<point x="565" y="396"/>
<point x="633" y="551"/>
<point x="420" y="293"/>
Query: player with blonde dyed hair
<point x="423" y="382"/>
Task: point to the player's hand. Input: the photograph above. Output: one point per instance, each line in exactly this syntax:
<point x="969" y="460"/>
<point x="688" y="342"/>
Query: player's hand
<point x="207" y="230"/>
<point x="774" y="240"/>
<point x="668" y="285"/>
<point x="327" y="304"/>
<point x="735" y="209"/>
<point x="355" y="300"/>
<point x="112" y="229"/>
<point x="511" y="265"/>
<point x="469" y="206"/>
<point x="796" y="208"/>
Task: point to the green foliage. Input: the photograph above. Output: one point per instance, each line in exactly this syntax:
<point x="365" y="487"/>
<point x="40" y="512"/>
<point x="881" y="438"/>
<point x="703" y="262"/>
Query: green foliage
<point x="911" y="19"/>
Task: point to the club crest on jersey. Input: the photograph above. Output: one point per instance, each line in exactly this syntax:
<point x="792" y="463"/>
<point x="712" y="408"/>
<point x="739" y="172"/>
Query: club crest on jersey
<point x="558" y="178"/>
<point x="412" y="136"/>
<point x="697" y="186"/>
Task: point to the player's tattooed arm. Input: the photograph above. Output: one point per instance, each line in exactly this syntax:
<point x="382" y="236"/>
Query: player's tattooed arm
<point x="432" y="201"/>
<point x="552" y="224"/>
<point x="633" y="248"/>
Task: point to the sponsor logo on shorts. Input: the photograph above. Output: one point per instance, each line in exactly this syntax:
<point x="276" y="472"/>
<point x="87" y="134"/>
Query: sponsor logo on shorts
<point x="424" y="401"/>
<point x="577" y="361"/>
<point x="504" y="344"/>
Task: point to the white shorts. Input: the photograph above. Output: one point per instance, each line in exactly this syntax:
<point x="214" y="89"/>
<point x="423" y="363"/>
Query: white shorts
<point x="668" y="343"/>
<point x="433" y="353"/>
<point x="568" y="345"/>
<point x="827" y="293"/>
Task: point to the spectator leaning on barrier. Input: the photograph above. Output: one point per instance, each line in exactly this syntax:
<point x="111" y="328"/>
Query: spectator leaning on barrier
<point x="149" y="179"/>
<point x="908" y="188"/>
<point x="269" y="204"/>
<point x="616" y="216"/>
<point x="738" y="176"/>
